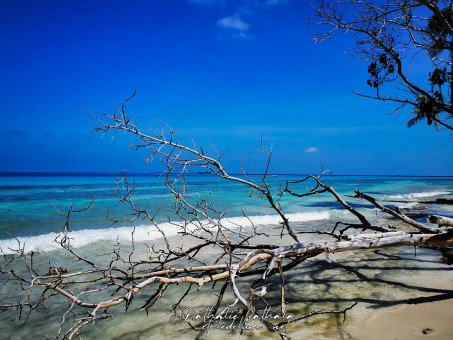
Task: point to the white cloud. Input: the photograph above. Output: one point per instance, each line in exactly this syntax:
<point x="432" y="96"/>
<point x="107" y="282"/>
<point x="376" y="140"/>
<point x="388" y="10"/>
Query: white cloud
<point x="233" y="22"/>
<point x="311" y="149"/>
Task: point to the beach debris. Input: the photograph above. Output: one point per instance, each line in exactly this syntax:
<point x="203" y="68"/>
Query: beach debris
<point x="398" y="211"/>
<point x="57" y="270"/>
<point x="441" y="221"/>
<point x="444" y="201"/>
<point x="427" y="331"/>
<point x="447" y="255"/>
<point x="259" y="291"/>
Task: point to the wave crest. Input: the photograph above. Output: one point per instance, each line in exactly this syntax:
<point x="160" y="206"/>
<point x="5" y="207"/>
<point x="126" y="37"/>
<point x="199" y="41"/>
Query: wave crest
<point x="419" y="195"/>
<point x="142" y="233"/>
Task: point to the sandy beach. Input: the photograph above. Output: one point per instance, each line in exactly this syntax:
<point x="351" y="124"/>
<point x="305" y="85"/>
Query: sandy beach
<point x="409" y="322"/>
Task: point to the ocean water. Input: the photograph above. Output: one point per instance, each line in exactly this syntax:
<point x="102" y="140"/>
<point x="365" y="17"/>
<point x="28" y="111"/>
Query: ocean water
<point x="28" y="211"/>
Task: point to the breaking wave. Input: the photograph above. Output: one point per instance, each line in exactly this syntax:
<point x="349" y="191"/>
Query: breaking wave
<point x="142" y="233"/>
<point x="420" y="195"/>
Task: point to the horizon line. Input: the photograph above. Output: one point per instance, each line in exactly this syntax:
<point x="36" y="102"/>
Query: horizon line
<point x="110" y="173"/>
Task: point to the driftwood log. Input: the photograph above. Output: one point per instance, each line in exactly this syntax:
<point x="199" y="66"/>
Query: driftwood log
<point x="444" y="201"/>
<point x="441" y="221"/>
<point x="236" y="252"/>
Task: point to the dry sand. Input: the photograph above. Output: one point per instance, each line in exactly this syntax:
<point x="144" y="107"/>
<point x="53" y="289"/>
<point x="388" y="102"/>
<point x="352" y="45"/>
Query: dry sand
<point x="409" y="321"/>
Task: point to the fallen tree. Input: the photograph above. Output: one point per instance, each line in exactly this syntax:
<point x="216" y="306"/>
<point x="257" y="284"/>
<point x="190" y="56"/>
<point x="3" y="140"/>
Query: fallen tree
<point x="215" y="251"/>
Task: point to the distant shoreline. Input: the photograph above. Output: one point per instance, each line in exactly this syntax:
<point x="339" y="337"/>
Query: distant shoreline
<point x="144" y="174"/>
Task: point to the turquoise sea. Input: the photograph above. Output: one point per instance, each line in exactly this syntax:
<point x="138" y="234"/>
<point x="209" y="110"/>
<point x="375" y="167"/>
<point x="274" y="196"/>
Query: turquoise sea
<point x="28" y="203"/>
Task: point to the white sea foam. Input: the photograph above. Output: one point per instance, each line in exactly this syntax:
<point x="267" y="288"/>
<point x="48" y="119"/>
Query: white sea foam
<point x="408" y="205"/>
<point x="143" y="233"/>
<point x="419" y="195"/>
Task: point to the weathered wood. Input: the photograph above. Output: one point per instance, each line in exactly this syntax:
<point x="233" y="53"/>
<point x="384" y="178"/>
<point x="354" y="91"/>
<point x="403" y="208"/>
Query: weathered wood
<point x="444" y="201"/>
<point x="363" y="241"/>
<point x="282" y="280"/>
<point x="447" y="255"/>
<point x="403" y="218"/>
<point x="441" y="221"/>
<point x="437" y="201"/>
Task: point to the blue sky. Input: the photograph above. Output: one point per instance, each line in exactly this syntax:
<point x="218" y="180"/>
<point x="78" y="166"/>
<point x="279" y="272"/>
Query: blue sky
<point x="221" y="70"/>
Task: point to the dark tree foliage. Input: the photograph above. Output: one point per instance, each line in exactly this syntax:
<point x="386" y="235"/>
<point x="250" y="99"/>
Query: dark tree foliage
<point x="395" y="37"/>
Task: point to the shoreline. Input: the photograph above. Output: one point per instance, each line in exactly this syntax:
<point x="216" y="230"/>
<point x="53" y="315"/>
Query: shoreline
<point x="331" y="281"/>
<point x="382" y="281"/>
